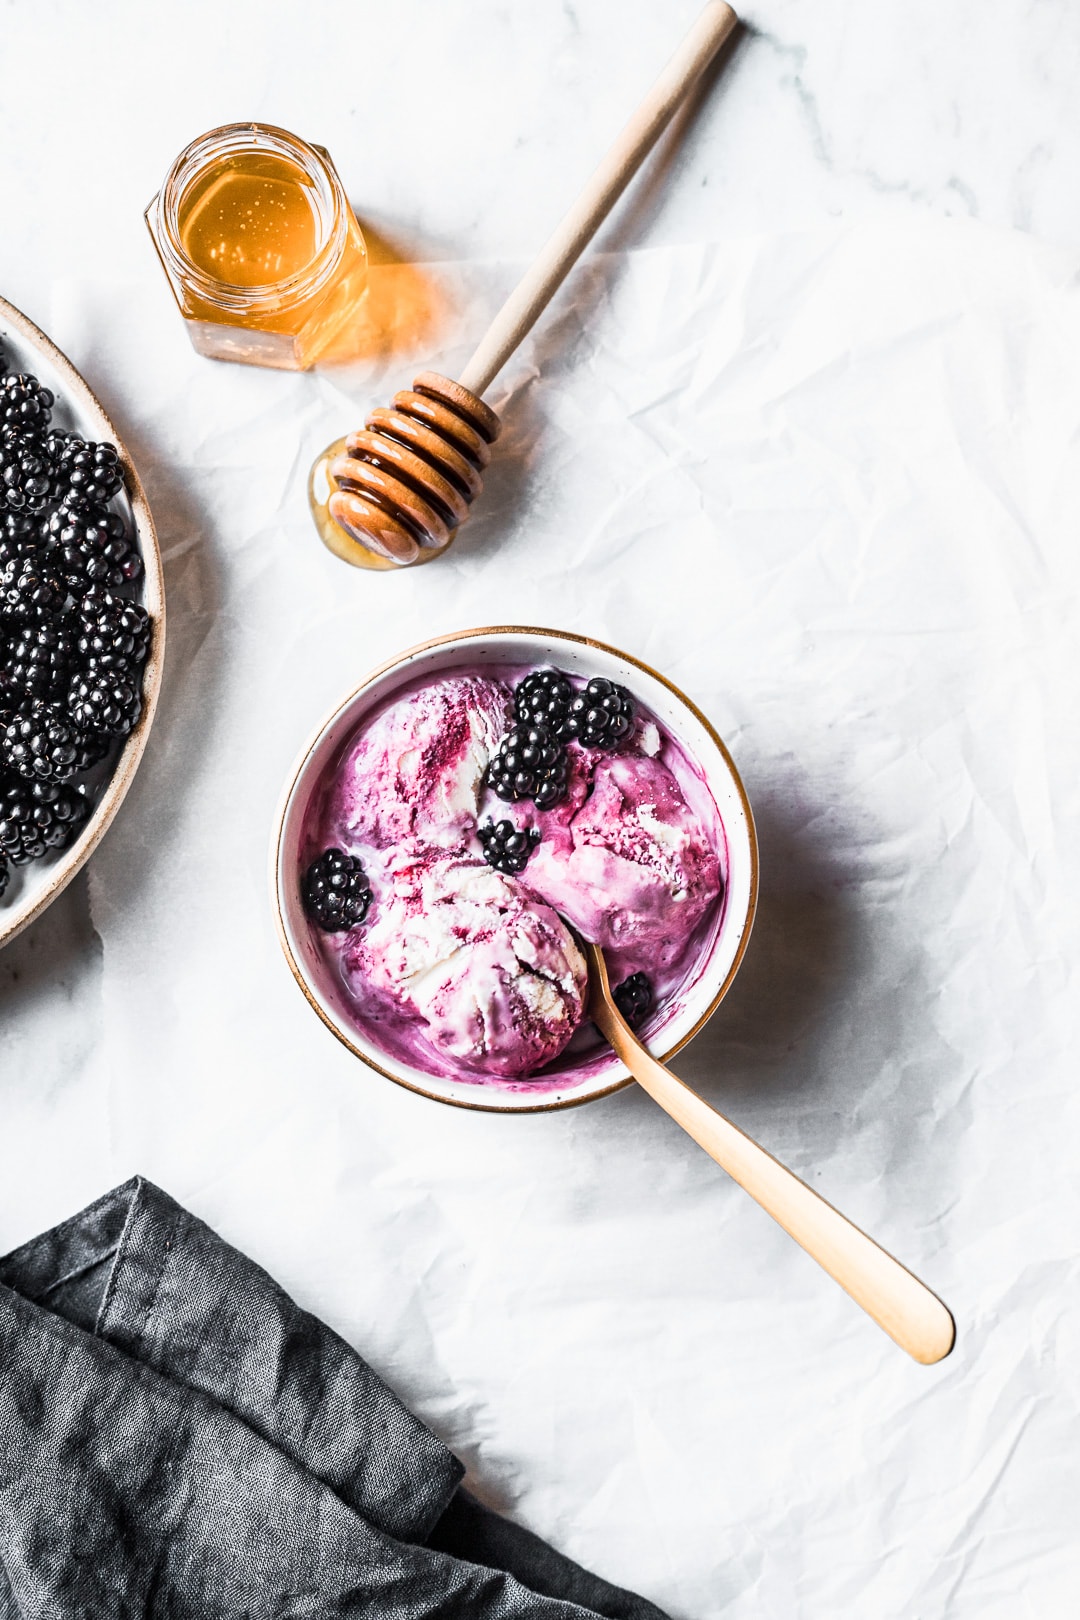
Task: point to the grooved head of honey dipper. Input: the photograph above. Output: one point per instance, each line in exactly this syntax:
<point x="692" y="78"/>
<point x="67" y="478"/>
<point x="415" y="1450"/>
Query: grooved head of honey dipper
<point x="397" y="490"/>
<point x="462" y="401"/>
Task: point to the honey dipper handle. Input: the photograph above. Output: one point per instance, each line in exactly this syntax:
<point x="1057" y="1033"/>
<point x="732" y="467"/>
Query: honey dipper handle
<point x="533" y="292"/>
<point x="886" y="1290"/>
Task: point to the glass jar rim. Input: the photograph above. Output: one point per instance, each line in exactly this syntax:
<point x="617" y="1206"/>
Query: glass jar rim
<point x="331" y="208"/>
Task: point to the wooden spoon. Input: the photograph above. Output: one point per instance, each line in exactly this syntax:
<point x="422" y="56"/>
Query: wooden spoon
<point x="885" y="1289"/>
<point x="394" y="493"/>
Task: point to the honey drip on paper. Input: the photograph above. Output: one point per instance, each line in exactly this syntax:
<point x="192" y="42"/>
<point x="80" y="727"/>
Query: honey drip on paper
<point x="250" y="220"/>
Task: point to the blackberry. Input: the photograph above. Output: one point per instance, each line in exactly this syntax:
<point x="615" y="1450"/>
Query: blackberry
<point x="505" y="848"/>
<point x="92" y="545"/>
<point x="543" y="699"/>
<point x="112" y="627"/>
<point x="21" y="535"/>
<point x="4" y="876"/>
<point x="31" y="588"/>
<point x="105" y="700"/>
<point x="42" y="743"/>
<point x="37" y="816"/>
<point x="81" y="467"/>
<point x="634" y="999"/>
<point x="24" y="403"/>
<point x="600" y="717"/>
<point x="336" y="891"/>
<point x="529" y="765"/>
<point x="42" y="658"/>
<point x="26" y="473"/>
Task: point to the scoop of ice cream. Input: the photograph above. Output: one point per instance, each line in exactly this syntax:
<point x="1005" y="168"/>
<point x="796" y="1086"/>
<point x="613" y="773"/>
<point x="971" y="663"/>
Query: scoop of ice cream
<point x="631" y="867"/>
<point x="417" y="770"/>
<point x="491" y="970"/>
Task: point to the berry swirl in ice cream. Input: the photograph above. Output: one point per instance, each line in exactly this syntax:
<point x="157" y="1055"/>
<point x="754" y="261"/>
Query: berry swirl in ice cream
<point x="418" y="769"/>
<point x="490" y="813"/>
<point x="493" y="973"/>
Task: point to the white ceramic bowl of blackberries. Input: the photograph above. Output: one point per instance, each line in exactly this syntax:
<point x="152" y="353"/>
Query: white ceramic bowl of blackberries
<point x="465" y="818"/>
<point x="82" y="622"/>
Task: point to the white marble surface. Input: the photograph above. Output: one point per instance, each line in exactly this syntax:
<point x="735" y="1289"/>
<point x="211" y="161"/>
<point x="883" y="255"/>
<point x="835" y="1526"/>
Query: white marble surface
<point x="794" y="380"/>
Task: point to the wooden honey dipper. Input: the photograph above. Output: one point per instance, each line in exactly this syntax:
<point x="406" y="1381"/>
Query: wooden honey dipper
<point x="406" y="481"/>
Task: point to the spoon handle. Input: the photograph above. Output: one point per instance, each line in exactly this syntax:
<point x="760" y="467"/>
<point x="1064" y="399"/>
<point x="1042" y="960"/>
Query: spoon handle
<point x="885" y="1289"/>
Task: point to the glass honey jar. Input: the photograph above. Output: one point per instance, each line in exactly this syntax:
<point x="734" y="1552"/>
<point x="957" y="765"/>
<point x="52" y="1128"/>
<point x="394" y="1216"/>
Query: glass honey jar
<point x="260" y="244"/>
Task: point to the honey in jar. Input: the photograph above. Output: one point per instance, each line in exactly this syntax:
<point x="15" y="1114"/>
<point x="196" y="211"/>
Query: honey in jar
<point x="260" y="244"/>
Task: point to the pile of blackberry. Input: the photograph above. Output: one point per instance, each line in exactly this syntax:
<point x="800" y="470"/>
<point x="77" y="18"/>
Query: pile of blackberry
<point x="73" y="642"/>
<point x="532" y="762"/>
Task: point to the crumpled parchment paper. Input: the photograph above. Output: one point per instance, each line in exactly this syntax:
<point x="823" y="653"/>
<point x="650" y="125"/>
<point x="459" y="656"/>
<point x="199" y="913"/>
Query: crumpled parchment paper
<point x="829" y="484"/>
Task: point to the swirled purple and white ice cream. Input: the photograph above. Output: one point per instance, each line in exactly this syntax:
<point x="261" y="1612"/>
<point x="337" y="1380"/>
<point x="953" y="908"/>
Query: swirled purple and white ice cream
<point x="466" y="832"/>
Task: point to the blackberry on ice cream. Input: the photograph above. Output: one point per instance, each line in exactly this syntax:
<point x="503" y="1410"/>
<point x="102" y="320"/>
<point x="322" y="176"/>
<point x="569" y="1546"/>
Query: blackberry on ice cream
<point x="602" y="716"/>
<point x="505" y="847"/>
<point x="336" y="891"/>
<point x="529" y="764"/>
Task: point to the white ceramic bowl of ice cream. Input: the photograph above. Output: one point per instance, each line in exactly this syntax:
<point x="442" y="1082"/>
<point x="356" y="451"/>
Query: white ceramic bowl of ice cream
<point x="586" y="1068"/>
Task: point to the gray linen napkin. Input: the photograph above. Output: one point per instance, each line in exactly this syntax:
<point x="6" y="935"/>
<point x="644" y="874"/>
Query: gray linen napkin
<point x="178" y="1439"/>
